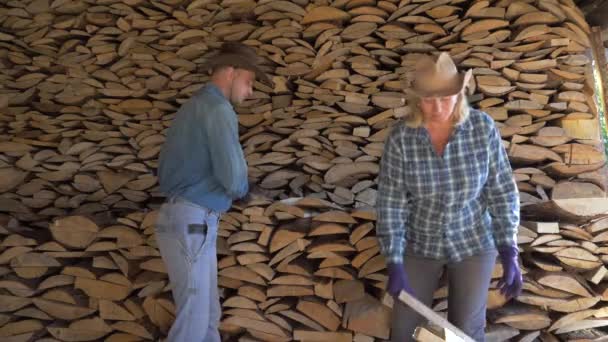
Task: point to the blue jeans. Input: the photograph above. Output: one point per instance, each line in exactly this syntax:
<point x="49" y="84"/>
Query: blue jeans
<point x="186" y="236"/>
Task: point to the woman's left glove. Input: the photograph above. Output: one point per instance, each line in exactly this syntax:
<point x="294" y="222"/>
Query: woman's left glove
<point x="511" y="282"/>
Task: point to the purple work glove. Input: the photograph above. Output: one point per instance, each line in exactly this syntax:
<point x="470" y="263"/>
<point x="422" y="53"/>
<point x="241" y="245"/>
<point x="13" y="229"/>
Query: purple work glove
<point x="397" y="280"/>
<point x="511" y="282"/>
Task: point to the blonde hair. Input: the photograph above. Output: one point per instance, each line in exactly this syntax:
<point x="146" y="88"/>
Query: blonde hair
<point x="415" y="118"/>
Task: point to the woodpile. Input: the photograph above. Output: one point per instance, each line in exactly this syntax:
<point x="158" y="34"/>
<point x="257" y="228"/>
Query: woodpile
<point x="89" y="87"/>
<point x="299" y="269"/>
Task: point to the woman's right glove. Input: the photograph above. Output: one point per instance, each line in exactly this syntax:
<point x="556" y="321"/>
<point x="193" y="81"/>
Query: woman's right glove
<point x="511" y="283"/>
<point x="397" y="280"/>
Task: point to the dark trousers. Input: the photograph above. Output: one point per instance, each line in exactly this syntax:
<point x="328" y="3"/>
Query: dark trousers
<point x="468" y="282"/>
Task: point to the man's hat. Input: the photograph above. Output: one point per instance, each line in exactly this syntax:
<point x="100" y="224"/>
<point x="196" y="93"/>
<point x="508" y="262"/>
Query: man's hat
<point x="239" y="56"/>
<point x="439" y="77"/>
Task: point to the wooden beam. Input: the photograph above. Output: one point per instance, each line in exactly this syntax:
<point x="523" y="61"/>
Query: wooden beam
<point x="599" y="54"/>
<point x="595" y="12"/>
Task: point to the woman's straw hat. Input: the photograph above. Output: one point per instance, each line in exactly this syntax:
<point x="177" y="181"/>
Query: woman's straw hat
<point x="439" y="77"/>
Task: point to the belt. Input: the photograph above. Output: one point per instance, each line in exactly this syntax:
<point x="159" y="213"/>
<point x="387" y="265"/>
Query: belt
<point x="177" y="199"/>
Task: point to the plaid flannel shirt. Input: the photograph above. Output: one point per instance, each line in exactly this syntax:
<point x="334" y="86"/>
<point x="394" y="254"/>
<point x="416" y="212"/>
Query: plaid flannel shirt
<point x="446" y="207"/>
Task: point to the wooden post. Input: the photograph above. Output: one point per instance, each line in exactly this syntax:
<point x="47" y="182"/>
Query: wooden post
<point x="599" y="54"/>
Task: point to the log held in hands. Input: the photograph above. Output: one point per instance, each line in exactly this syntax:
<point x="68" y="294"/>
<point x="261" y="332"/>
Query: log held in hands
<point x="452" y="333"/>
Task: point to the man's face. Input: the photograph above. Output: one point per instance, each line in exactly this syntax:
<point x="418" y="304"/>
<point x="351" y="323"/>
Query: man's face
<point x="242" y="85"/>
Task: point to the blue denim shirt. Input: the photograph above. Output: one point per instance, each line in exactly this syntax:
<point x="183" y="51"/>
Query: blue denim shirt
<point x="202" y="159"/>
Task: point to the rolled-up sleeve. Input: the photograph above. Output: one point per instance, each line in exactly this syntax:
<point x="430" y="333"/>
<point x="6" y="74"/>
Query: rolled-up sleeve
<point x="501" y="193"/>
<point x="392" y="201"/>
<point x="227" y="159"/>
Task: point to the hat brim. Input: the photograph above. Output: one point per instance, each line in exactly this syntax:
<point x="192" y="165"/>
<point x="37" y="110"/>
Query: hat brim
<point x="238" y="62"/>
<point x="463" y="81"/>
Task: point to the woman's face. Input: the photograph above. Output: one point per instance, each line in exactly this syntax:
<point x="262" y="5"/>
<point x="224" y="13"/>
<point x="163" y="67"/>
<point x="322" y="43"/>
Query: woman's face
<point x="438" y="108"/>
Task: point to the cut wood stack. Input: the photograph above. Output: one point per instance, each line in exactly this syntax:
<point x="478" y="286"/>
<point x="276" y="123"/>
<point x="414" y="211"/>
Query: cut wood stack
<point x="300" y="269"/>
<point x="89" y="87"/>
<point x="564" y="283"/>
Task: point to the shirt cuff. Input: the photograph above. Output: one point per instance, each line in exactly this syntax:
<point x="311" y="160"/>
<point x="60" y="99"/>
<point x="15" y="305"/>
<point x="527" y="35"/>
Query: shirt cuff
<point x="394" y="255"/>
<point x="394" y="259"/>
<point x="505" y="240"/>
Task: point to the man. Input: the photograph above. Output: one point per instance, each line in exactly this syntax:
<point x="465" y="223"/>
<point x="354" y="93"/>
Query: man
<point x="202" y="170"/>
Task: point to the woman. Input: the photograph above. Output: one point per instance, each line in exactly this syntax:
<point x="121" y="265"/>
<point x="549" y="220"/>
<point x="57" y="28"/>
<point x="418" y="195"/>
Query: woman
<point x="446" y="198"/>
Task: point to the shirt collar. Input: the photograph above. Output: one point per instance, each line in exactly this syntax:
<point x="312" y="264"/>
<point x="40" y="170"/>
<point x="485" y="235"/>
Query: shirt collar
<point x="466" y="125"/>
<point x="213" y="89"/>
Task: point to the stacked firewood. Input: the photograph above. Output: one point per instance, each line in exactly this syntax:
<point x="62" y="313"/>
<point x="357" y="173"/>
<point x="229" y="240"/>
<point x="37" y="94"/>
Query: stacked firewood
<point x="299" y="269"/>
<point x="89" y="87"/>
